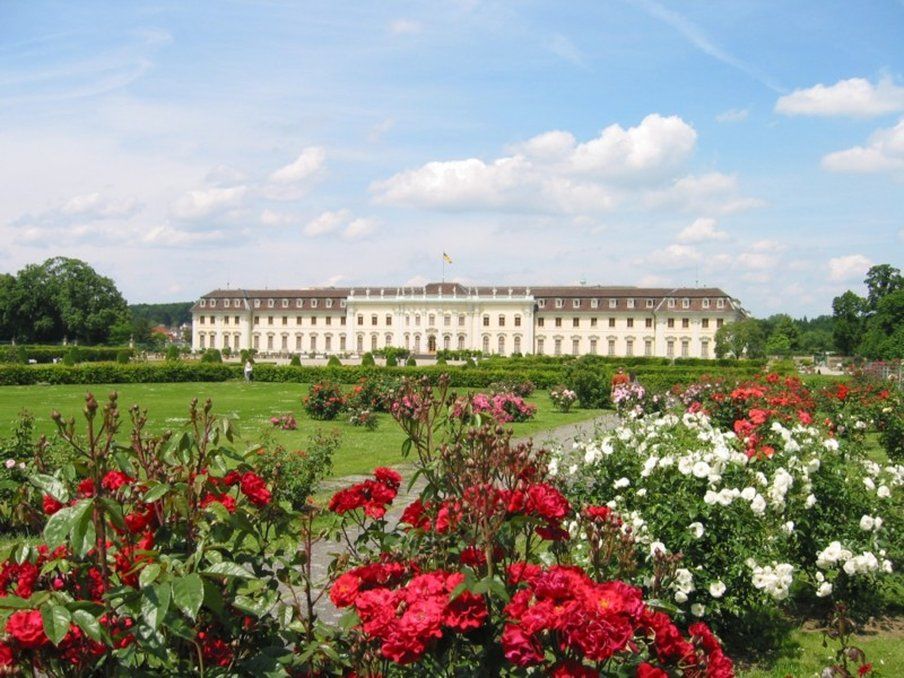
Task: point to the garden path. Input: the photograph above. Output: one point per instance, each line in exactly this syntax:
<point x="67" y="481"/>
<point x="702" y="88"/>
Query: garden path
<point x="325" y="551"/>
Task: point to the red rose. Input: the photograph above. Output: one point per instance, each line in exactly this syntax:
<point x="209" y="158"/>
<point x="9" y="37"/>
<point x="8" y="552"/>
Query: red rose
<point x="520" y="648"/>
<point x="388" y="477"/>
<point x="547" y="502"/>
<point x="137" y="522"/>
<point x="254" y="487"/>
<point x="86" y="488"/>
<point x="232" y="478"/>
<point x="572" y="669"/>
<point x="6" y="655"/>
<point x="27" y="628"/>
<point x="114" y="480"/>
<point x="51" y="505"/>
<point x="224" y="499"/>
<point x="468" y="611"/>
<point x="345" y="589"/>
<point x="649" y="671"/>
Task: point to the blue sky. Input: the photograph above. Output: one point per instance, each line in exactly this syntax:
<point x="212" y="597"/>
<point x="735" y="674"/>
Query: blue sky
<point x="178" y="147"/>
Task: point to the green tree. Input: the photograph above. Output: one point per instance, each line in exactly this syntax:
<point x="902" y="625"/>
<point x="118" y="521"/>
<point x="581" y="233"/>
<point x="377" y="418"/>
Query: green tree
<point x="847" y="311"/>
<point x="881" y="280"/>
<point x="884" y="335"/>
<point x="741" y="339"/>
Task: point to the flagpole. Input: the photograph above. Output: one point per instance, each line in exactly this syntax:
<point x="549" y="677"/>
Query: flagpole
<point x="444" y="269"/>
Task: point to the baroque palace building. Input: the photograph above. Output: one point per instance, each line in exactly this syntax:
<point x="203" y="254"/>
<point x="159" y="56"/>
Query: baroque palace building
<point x="614" y="321"/>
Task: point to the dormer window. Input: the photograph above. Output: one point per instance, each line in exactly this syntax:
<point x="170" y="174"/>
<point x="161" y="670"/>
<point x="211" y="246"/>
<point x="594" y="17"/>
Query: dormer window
<point x="706" y="303"/>
<point x="236" y="302"/>
<point x="285" y="303"/>
<point x="225" y="303"/>
<point x="649" y="303"/>
<point x="342" y="303"/>
<point x="575" y="303"/>
<point x="202" y="303"/>
<point x="213" y="302"/>
<point x="720" y="303"/>
<point x="613" y="303"/>
<point x="630" y="303"/>
<point x="270" y="303"/>
<point x="559" y="303"/>
<point x="594" y="303"/>
<point x="685" y="303"/>
<point x="329" y="303"/>
<point x="671" y="302"/>
<point x="257" y="303"/>
<point x="541" y="303"/>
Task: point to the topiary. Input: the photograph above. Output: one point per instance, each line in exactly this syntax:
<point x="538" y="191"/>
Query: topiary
<point x="470" y="363"/>
<point x="334" y="362"/>
<point x="212" y="355"/>
<point x="367" y="360"/>
<point x="441" y="360"/>
<point x="295" y="361"/>
<point x="391" y="360"/>
<point x="172" y="352"/>
<point x="411" y="362"/>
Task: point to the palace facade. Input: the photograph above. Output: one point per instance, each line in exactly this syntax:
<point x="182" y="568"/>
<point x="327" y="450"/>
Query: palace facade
<point x="615" y="321"/>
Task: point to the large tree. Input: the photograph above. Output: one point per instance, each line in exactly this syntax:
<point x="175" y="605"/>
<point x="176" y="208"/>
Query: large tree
<point x="62" y="298"/>
<point x="881" y="281"/>
<point x="741" y="339"/>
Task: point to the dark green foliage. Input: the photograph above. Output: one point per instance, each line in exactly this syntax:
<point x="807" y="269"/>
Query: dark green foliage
<point x="295" y="474"/>
<point x="212" y="355"/>
<point x="122" y="357"/>
<point x="872" y="327"/>
<point x="295" y="361"/>
<point x="47" y="354"/>
<point x="172" y="352"/>
<point x="367" y="360"/>
<point x="591" y="384"/>
<point x="394" y="352"/>
<point x="441" y="360"/>
<point x="171" y="315"/>
<point x="391" y="361"/>
<point x="334" y="362"/>
<point x="411" y="362"/>
<point x="72" y="356"/>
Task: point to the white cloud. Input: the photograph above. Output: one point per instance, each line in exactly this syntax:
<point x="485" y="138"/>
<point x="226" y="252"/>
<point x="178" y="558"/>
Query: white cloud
<point x="850" y="267"/>
<point x="856" y="97"/>
<point x="92" y="205"/>
<point x="405" y="27"/>
<point x="733" y="115"/>
<point x="702" y="230"/>
<point x="378" y="131"/>
<point x="308" y="163"/>
<point x="327" y="222"/>
<point x="272" y="218"/>
<point x="713" y="192"/>
<point x="672" y="257"/>
<point x="883" y="153"/>
<point x="551" y="172"/>
<point x="756" y="260"/>
<point x="202" y="203"/>
<point x="565" y="49"/>
<point x="167" y="236"/>
<point x="359" y="228"/>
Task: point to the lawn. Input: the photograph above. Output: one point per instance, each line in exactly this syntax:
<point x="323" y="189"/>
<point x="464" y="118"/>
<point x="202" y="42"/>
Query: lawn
<point x="253" y="404"/>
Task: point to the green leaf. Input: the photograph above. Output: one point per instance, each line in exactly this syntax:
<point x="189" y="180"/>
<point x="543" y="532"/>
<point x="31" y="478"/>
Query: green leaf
<point x="87" y="622"/>
<point x="82" y="535"/>
<point x="50" y="485"/>
<point x="149" y="575"/>
<point x="156" y="493"/>
<point x="56" y="622"/>
<point x="229" y="569"/>
<point x="155" y="602"/>
<point x="58" y="526"/>
<point x="188" y="594"/>
<point x="15" y="603"/>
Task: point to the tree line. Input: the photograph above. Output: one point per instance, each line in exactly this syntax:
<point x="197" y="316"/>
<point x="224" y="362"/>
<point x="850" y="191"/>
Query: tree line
<point x="65" y="299"/>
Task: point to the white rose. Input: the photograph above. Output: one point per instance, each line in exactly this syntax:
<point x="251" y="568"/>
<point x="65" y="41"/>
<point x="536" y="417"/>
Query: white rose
<point x="657" y="546"/>
<point x="697" y="610"/>
<point x="680" y="597"/>
<point x="748" y="493"/>
<point x="870" y="485"/>
<point x="696" y="529"/>
<point x="642" y="492"/>
<point x="811" y="501"/>
<point x="716" y="589"/>
<point x="867" y="523"/>
<point x="825" y="589"/>
<point x="883" y="492"/>
<point x="758" y="505"/>
<point x="788" y="527"/>
<point x="10" y="463"/>
<point x="701" y="469"/>
<point x="620" y="483"/>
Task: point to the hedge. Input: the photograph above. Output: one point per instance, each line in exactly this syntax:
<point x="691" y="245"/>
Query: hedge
<point x="653" y="376"/>
<point x="46" y="354"/>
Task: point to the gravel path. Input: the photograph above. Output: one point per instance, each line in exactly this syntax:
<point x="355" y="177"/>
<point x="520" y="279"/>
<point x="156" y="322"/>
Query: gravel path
<point x="325" y="551"/>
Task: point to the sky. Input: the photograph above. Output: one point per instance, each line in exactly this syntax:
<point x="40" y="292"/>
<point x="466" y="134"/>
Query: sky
<point x="181" y="147"/>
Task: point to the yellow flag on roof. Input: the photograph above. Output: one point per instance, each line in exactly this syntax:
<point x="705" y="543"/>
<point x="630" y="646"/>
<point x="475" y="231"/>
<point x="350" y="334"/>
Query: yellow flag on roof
<point x="447" y="258"/>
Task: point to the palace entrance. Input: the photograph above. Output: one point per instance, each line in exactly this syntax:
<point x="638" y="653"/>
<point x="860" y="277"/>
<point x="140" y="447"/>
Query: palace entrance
<point x="431" y="344"/>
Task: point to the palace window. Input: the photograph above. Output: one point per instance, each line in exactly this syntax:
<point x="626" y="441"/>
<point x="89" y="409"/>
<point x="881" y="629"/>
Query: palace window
<point x="685" y="303"/>
<point x="285" y="342"/>
<point x="648" y="347"/>
<point x="685" y="323"/>
<point x="575" y="322"/>
<point x="313" y="343"/>
<point x="342" y="305"/>
<point x="285" y="303"/>
<point x="269" y="319"/>
<point x="201" y="320"/>
<point x="417" y="319"/>
<point x="671" y="302"/>
<point x="719" y="322"/>
<point x="225" y="319"/>
<point x="360" y="319"/>
<point x="388" y="319"/>
<point x="541" y="303"/>
<point x="629" y="346"/>
<point x="575" y="346"/>
<point x="704" y="348"/>
<point x="559" y="303"/>
<point x="558" y="347"/>
<point x="486" y="321"/>
<point x="558" y="322"/>
<point x="313" y="319"/>
<point x="269" y="342"/>
<point x="461" y="342"/>
<point x="486" y="344"/>
<point x="648" y="322"/>
<point x="298" y="320"/>
<point x="299" y="303"/>
<point x="202" y="303"/>
<point x="461" y="320"/>
<point x="236" y="320"/>
<point x="213" y="320"/>
<point x="447" y="342"/>
<point x="313" y="305"/>
<point x="257" y="303"/>
<point x="611" y="346"/>
<point x="329" y="304"/>
<point x="388" y="340"/>
<point x="360" y="343"/>
<point x="706" y="303"/>
<point x="328" y="343"/>
<point x="720" y="303"/>
<point x="540" y="322"/>
<point x="685" y="348"/>
<point x="593" y="346"/>
<point x="298" y="344"/>
<point x="257" y="320"/>
<point x="447" y="320"/>
<point x="630" y="303"/>
<point x="594" y="303"/>
<point x="630" y="322"/>
<point x="611" y="322"/>
<point x="501" y="344"/>
<point x="256" y="342"/>
<point x="517" y="321"/>
<point x="613" y="303"/>
<point x="670" y="348"/>
<point x="540" y="346"/>
<point x="431" y="320"/>
<point x="593" y="322"/>
<point x="270" y="303"/>
<point x="225" y="303"/>
<point x="649" y="303"/>
<point x="201" y="340"/>
<point x="328" y="320"/>
<point x="213" y="303"/>
<point x="670" y="322"/>
<point x="704" y="323"/>
<point x="575" y="303"/>
<point x="373" y="319"/>
<point x="501" y="320"/>
<point x="285" y="320"/>
<point x="341" y="342"/>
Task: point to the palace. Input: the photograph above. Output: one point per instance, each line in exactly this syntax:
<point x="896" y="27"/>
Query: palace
<point x="615" y="321"/>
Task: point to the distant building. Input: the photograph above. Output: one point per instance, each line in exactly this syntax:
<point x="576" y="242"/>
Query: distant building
<point x="614" y="321"/>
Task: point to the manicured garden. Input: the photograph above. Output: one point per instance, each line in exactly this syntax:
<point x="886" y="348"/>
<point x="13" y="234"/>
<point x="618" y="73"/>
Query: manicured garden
<point x="253" y="405"/>
<point x="725" y="527"/>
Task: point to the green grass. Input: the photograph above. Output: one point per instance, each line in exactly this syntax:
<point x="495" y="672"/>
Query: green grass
<point x="253" y="404"/>
<point x="885" y="649"/>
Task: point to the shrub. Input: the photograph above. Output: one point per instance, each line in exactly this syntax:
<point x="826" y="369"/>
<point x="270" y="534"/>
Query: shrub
<point x="324" y="401"/>
<point x="123" y="357"/>
<point x="367" y="360"/>
<point x="441" y="360"/>
<point x="285" y="422"/>
<point x="520" y="387"/>
<point x="363" y="417"/>
<point x="73" y="356"/>
<point x="503" y="407"/>
<point x="334" y="362"/>
<point x="562" y="398"/>
<point x="172" y="353"/>
<point x="592" y="386"/>
<point x="294" y="475"/>
<point x="391" y="361"/>
<point x="411" y="362"/>
<point x="295" y="360"/>
<point x="227" y="352"/>
<point x="212" y="355"/>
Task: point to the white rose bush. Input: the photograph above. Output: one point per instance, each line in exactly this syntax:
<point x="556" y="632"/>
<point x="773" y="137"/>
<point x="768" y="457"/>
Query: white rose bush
<point x="747" y="507"/>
